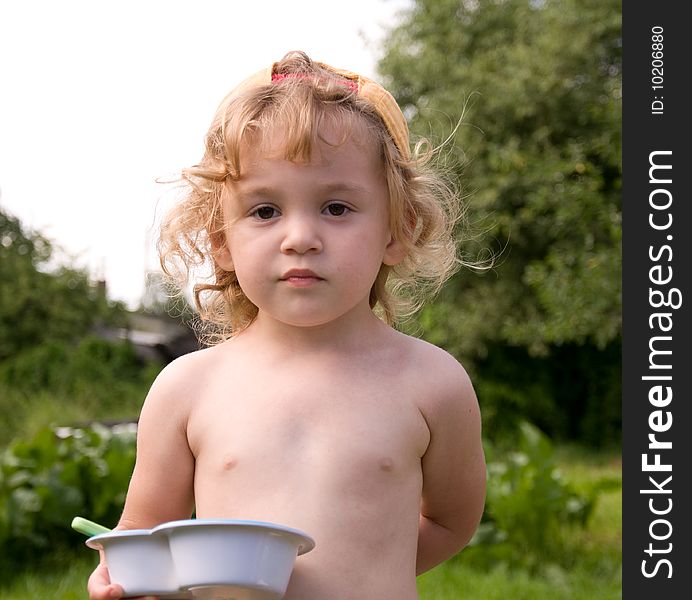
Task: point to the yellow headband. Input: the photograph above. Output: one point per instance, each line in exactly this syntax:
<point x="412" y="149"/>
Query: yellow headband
<point x="380" y="99"/>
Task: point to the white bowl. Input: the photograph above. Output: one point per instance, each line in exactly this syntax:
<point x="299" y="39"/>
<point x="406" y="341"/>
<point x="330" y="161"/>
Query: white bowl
<point x="219" y="559"/>
<point x="139" y="561"/>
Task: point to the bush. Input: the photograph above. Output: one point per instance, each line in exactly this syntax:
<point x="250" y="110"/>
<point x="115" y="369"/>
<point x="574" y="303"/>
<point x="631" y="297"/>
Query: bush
<point x="55" y="476"/>
<point x="573" y="393"/>
<point x="59" y="383"/>
<point x="65" y="368"/>
<point x="528" y="507"/>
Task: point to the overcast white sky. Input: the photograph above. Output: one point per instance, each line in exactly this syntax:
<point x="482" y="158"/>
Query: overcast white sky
<point x="99" y="98"/>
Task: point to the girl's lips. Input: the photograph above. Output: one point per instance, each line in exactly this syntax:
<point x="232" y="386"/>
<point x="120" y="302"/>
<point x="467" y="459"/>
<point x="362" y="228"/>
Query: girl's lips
<point x="301" y="277"/>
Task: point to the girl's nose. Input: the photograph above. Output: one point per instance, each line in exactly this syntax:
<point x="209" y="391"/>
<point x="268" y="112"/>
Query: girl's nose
<point x="301" y="236"/>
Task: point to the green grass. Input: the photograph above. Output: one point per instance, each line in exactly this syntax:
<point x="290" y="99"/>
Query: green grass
<point x="457" y="582"/>
<point x="594" y="556"/>
<point x="65" y="579"/>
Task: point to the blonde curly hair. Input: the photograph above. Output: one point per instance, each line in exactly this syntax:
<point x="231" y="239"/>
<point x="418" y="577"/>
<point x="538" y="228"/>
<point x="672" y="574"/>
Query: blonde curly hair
<point x="423" y="206"/>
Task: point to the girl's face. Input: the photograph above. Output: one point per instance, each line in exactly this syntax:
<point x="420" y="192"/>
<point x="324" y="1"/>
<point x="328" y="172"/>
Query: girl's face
<point x="307" y="239"/>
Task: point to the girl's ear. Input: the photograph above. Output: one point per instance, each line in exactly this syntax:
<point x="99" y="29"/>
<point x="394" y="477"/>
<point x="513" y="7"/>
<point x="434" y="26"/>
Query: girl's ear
<point x="220" y="252"/>
<point x="394" y="253"/>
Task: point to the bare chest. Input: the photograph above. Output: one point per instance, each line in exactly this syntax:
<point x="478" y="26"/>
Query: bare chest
<point x="317" y="434"/>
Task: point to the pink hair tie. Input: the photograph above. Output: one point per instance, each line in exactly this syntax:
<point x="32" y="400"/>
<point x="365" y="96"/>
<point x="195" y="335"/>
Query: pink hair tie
<point x="278" y="77"/>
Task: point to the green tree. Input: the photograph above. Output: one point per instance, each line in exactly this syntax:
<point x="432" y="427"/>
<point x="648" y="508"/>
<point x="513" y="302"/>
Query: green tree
<point x="40" y="301"/>
<point x="536" y="85"/>
<point x="529" y="94"/>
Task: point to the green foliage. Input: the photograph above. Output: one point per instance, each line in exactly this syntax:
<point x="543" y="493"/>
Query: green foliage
<point x="40" y="302"/>
<point x="66" y="368"/>
<point x="60" y="382"/>
<point x="530" y="508"/>
<point x="56" y="475"/>
<point x="575" y="393"/>
<point x="537" y="87"/>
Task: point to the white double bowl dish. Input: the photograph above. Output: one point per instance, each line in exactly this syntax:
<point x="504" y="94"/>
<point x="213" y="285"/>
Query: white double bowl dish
<point x="206" y="559"/>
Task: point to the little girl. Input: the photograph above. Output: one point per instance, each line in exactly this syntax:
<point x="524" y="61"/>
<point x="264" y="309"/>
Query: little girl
<point x="309" y="409"/>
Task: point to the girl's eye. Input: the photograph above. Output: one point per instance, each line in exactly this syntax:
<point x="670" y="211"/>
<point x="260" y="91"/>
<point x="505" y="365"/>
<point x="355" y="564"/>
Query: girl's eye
<point x="336" y="210"/>
<point x="265" y="213"/>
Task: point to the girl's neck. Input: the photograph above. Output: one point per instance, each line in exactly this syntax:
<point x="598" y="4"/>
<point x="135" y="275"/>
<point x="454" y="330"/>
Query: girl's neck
<point x="353" y="332"/>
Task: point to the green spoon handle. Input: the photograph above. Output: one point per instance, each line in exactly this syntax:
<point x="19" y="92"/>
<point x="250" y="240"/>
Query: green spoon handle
<point x="88" y="527"/>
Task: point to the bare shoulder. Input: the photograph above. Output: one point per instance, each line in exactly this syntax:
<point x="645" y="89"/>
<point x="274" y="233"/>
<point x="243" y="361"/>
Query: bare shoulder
<point x="184" y="367"/>
<point x="447" y="383"/>
<point x="180" y="381"/>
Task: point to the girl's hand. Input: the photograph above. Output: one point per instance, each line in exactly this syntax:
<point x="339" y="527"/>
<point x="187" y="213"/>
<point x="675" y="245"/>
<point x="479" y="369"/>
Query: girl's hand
<point x="100" y="586"/>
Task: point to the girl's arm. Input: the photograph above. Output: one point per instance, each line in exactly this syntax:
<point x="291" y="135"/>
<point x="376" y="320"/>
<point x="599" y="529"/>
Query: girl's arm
<point x="454" y="474"/>
<point x="161" y="488"/>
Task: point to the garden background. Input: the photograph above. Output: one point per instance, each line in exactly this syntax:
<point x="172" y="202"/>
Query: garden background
<point x="525" y="98"/>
